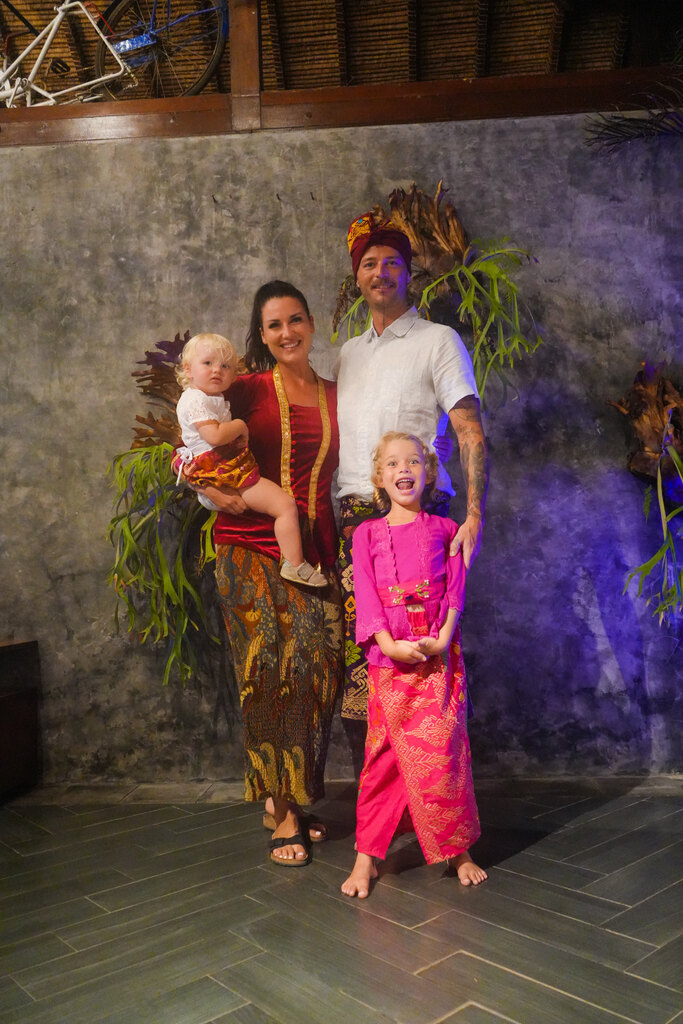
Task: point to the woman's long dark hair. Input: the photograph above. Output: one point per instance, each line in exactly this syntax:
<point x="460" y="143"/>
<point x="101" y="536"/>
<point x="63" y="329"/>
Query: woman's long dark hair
<point x="257" y="355"/>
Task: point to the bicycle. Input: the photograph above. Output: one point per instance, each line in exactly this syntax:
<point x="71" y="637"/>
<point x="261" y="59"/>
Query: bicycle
<point x="135" y="49"/>
<point x="172" y="47"/>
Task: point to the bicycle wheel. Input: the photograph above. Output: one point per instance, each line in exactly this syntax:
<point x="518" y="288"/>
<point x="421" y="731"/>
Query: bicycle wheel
<point x="171" y="46"/>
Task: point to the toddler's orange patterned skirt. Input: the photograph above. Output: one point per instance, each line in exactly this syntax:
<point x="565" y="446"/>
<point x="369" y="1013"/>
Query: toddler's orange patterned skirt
<point x="224" y="466"/>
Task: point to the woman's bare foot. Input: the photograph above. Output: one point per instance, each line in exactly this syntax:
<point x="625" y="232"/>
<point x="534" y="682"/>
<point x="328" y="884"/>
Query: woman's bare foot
<point x="317" y="831"/>
<point x="469" y="873"/>
<point x="286" y="825"/>
<point x="358" y="882"/>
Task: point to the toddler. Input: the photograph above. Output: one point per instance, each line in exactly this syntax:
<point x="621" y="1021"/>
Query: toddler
<point x="216" y="451"/>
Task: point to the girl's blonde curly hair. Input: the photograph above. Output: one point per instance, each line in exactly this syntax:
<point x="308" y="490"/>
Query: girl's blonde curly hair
<point x="431" y="463"/>
<point x="216" y="343"/>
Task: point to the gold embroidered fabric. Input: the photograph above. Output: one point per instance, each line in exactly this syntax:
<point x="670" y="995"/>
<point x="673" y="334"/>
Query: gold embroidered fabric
<point x="286" y="449"/>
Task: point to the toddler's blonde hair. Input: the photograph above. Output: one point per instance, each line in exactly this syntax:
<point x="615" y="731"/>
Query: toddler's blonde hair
<point x="216" y="342"/>
<point x="431" y="462"/>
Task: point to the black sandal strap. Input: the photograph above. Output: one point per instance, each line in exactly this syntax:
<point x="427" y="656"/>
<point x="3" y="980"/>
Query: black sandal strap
<point x="295" y="840"/>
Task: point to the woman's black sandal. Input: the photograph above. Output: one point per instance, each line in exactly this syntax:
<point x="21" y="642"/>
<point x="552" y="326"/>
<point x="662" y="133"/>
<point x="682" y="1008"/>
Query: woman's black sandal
<point x="289" y="862"/>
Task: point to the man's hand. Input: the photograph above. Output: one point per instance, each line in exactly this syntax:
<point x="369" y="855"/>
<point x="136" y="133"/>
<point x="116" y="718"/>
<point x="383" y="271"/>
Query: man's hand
<point x="468" y="538"/>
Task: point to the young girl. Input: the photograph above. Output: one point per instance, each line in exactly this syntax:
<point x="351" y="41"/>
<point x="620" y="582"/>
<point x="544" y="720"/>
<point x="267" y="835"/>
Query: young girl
<point x="409" y="597"/>
<point x="216" y="451"/>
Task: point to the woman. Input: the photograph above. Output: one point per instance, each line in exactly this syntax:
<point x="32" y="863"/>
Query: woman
<point x="285" y="639"/>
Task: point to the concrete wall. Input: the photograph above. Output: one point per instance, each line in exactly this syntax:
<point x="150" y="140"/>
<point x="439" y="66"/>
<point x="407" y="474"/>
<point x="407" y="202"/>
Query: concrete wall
<point x="112" y="246"/>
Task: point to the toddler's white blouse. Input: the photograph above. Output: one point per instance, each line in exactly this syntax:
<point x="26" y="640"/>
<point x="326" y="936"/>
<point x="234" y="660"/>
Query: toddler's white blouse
<point x="196" y="407"/>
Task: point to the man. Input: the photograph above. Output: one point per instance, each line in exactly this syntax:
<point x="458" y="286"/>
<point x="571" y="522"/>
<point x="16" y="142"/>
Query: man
<point x="399" y="375"/>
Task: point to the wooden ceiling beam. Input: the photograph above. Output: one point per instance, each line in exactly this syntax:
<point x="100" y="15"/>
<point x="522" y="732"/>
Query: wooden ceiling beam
<point x="245" y="65"/>
<point x="463" y="100"/>
<point x="393" y="103"/>
<point x="206" y="114"/>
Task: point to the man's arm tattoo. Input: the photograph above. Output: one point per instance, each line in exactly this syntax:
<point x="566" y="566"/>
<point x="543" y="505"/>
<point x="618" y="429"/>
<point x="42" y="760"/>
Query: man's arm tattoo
<point x="465" y="417"/>
<point x="475" y="467"/>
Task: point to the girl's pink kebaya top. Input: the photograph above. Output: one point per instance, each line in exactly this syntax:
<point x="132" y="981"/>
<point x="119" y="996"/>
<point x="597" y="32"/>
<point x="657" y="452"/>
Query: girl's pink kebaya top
<point x="395" y="565"/>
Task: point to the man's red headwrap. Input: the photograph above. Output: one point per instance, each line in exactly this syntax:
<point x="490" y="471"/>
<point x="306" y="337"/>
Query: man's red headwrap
<point x="368" y="230"/>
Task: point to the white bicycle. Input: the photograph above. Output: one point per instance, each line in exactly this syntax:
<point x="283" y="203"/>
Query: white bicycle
<point x="135" y="49"/>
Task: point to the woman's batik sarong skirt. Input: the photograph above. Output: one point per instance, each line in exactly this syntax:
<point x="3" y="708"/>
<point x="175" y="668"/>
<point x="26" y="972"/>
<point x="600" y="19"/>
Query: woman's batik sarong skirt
<point x="287" y="651"/>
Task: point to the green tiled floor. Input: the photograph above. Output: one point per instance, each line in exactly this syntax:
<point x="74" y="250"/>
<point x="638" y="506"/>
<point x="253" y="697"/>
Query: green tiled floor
<point x="157" y="905"/>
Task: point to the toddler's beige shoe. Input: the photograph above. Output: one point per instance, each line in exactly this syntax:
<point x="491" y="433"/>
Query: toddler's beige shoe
<point x="304" y="573"/>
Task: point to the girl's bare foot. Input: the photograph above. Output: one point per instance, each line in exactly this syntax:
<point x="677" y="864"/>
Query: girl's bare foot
<point x="469" y="873"/>
<point x="358" y="882"/>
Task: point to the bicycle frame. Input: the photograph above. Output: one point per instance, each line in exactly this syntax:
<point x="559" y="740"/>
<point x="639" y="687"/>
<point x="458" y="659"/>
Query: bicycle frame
<point x="15" y="88"/>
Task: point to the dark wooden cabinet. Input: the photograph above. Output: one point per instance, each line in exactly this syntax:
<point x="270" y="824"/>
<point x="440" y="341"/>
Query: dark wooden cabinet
<point x="20" y="748"/>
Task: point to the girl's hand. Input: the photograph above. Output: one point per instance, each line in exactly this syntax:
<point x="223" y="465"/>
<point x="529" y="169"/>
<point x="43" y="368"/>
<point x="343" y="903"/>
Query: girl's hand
<point x="399" y="650"/>
<point x="407" y="651"/>
<point x="430" y="645"/>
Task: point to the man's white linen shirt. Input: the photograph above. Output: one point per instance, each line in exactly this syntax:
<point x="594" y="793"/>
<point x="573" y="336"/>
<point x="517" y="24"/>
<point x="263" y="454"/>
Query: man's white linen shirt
<point x="399" y="380"/>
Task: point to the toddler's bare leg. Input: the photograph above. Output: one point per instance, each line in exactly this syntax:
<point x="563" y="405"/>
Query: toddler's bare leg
<point x="265" y="496"/>
<point x="469" y="873"/>
<point x="358" y="882"/>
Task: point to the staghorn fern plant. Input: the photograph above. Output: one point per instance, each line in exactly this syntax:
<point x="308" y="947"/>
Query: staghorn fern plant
<point x="160" y="532"/>
<point x="451" y="275"/>
<point x="664" y="566"/>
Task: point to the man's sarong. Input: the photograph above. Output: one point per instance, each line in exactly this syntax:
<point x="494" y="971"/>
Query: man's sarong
<point x="353" y="511"/>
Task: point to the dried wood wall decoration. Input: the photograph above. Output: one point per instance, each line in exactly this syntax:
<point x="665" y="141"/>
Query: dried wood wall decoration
<point x="654" y="405"/>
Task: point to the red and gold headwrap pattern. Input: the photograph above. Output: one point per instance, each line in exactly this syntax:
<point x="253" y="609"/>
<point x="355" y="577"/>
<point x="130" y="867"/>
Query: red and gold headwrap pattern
<point x="368" y="230"/>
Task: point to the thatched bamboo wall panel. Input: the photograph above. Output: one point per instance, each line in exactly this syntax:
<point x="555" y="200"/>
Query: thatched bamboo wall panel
<point x="524" y="37"/>
<point x="381" y="41"/>
<point x="312" y="41"/>
<point x="451" y="39"/>
<point x="272" y="74"/>
<point x="308" y="44"/>
<point x="595" y="40"/>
